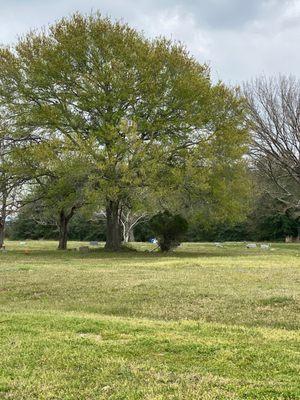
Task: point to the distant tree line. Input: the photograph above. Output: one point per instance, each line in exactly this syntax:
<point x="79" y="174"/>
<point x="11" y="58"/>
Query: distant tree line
<point x="262" y="224"/>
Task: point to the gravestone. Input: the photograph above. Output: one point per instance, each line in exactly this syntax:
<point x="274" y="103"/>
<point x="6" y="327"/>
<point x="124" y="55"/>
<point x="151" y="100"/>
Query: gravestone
<point x="84" y="248"/>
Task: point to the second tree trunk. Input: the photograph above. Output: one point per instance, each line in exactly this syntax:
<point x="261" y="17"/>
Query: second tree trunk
<point x="63" y="230"/>
<point x="2" y="228"/>
<point x="113" y="226"/>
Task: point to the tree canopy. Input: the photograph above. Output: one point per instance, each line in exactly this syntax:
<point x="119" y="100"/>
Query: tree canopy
<point x="274" y="119"/>
<point x="141" y="113"/>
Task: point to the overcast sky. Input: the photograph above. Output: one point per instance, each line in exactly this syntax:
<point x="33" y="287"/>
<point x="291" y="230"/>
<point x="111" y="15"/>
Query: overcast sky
<point x="238" y="38"/>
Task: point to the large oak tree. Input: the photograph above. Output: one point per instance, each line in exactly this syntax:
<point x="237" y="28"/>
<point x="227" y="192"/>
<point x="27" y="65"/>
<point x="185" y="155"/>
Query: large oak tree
<point x="138" y="108"/>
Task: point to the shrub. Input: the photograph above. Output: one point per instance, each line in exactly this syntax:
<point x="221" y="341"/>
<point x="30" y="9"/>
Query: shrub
<point x="169" y="229"/>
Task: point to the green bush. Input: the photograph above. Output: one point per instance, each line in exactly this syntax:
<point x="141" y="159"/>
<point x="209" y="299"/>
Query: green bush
<point x="168" y="229"/>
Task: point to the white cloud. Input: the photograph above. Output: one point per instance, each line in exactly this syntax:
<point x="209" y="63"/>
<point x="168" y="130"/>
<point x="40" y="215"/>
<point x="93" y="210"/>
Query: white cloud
<point x="174" y="23"/>
<point x="239" y="38"/>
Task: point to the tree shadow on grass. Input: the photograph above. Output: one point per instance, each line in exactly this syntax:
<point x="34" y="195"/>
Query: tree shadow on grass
<point x="127" y="255"/>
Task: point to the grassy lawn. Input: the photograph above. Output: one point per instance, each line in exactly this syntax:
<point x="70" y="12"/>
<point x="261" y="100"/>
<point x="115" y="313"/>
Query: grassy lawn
<point x="200" y="323"/>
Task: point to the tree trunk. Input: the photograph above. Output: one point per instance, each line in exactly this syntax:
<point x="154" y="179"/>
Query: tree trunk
<point x="2" y="232"/>
<point x="113" y="226"/>
<point x="125" y="223"/>
<point x="125" y="237"/>
<point x="128" y="236"/>
<point x="3" y="215"/>
<point x="131" y="235"/>
<point x="63" y="229"/>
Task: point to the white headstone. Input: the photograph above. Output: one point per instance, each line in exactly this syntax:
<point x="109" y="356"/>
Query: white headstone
<point x="251" y="246"/>
<point x="265" y="246"/>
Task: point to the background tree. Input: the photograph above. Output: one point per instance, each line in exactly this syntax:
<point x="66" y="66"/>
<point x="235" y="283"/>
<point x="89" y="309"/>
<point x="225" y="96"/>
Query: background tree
<point x="58" y="181"/>
<point x="32" y="223"/>
<point x="135" y="107"/>
<point x="11" y="185"/>
<point x="61" y="196"/>
<point x="269" y="221"/>
<point x="274" y="119"/>
<point x="140" y="204"/>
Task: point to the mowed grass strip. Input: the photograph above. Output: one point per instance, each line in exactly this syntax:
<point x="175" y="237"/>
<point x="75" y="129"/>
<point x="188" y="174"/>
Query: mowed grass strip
<point x="91" y="357"/>
<point x="201" y="323"/>
<point x="231" y="285"/>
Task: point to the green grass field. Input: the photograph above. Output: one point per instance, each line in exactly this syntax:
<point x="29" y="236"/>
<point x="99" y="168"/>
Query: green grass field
<point x="200" y="323"/>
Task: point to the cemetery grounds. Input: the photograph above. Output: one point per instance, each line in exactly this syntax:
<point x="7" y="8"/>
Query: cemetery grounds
<point x="204" y="322"/>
